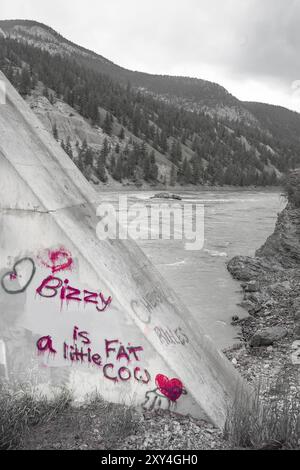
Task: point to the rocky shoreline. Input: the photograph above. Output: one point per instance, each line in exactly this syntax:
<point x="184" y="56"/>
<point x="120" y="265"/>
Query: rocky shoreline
<point x="270" y="349"/>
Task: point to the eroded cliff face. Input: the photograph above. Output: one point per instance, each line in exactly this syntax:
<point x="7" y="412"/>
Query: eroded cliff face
<point x="270" y="348"/>
<point x="282" y="249"/>
<point x="283" y="246"/>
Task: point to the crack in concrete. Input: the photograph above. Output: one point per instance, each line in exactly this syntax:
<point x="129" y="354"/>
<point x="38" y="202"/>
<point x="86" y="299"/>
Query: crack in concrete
<point x="40" y="211"/>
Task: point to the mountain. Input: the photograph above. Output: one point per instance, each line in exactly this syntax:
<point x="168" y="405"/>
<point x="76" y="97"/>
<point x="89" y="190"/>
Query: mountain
<point x="132" y="127"/>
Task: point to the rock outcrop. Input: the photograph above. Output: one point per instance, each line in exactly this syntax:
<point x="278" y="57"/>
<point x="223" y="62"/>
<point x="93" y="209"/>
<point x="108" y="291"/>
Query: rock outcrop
<point x="270" y="280"/>
<point x="269" y="355"/>
<point x="268" y="336"/>
<point x="282" y="249"/>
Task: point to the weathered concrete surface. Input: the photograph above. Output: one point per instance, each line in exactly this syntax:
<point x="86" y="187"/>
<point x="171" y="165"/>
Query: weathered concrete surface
<point x="46" y="204"/>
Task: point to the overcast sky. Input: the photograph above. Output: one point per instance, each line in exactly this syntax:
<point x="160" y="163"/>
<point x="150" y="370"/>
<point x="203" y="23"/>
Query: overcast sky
<point x="252" y="47"/>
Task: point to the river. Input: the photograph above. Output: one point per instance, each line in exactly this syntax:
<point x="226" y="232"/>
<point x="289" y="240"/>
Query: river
<point x="236" y="223"/>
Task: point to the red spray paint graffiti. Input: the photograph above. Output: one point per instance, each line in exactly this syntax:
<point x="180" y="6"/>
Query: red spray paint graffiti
<point x="81" y="352"/>
<point x="166" y="394"/>
<point x="56" y="260"/>
<point x="52" y="286"/>
<point x="170" y="388"/>
<point x="45" y="344"/>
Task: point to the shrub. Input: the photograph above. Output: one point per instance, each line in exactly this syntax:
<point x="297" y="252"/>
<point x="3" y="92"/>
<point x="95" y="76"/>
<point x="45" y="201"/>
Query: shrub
<point x="269" y="422"/>
<point x="21" y="410"/>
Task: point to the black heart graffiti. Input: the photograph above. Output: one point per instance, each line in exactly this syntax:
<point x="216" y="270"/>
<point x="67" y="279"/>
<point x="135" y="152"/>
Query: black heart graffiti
<point x="143" y="316"/>
<point x="13" y="274"/>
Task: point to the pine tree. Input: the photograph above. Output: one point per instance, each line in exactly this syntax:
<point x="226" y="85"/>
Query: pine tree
<point x="112" y="165"/>
<point x="105" y="151"/>
<point x="93" y="111"/>
<point x="147" y="168"/>
<point x="55" y="131"/>
<point x="173" y="176"/>
<point x="176" y="153"/>
<point x="25" y="81"/>
<point x="118" y="172"/>
<point x="186" y="172"/>
<point x="107" y="125"/>
<point x="122" y="134"/>
<point x="101" y="171"/>
<point x="46" y="92"/>
<point x="68" y="148"/>
<point x="153" y="167"/>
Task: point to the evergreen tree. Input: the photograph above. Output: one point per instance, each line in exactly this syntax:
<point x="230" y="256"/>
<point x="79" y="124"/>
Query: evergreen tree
<point x="112" y="164"/>
<point x="173" y="176"/>
<point x="176" y="153"/>
<point x="68" y="148"/>
<point x="118" y="171"/>
<point x="25" y="81"/>
<point x="147" y="168"/>
<point x="46" y="92"/>
<point x="153" y="167"/>
<point x="107" y="125"/>
<point x="101" y="171"/>
<point x="105" y="151"/>
<point x="186" y="172"/>
<point x="122" y="134"/>
<point x="55" y="131"/>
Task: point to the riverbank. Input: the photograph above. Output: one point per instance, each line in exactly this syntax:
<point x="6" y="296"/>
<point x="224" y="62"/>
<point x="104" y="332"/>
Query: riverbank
<point x="269" y="354"/>
<point x="114" y="186"/>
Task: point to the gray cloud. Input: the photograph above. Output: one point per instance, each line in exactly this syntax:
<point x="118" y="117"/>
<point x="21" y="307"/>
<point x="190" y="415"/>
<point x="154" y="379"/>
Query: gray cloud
<point x="232" y="42"/>
<point x="271" y="40"/>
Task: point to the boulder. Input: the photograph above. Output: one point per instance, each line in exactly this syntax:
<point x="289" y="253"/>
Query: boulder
<point x="297" y="331"/>
<point x="297" y="316"/>
<point x="296" y="304"/>
<point x="251" y="286"/>
<point x="296" y="309"/>
<point x="279" y="288"/>
<point x="167" y="196"/>
<point x="268" y="336"/>
<point x="249" y="269"/>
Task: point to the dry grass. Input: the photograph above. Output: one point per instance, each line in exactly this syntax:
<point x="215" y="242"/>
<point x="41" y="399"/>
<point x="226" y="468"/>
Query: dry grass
<point x="269" y="422"/>
<point x="30" y="421"/>
<point x="118" y="421"/>
<point x="21" y="410"/>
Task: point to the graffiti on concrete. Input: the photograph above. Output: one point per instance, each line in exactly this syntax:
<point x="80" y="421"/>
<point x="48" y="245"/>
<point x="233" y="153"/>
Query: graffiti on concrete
<point x="168" y="336"/>
<point x="152" y="297"/>
<point x="44" y="344"/>
<point x="116" y="361"/>
<point x="56" y="260"/>
<point x="170" y="388"/>
<point x="21" y="275"/>
<point x="138" y="309"/>
<point x="19" y="278"/>
<point x="165" y="395"/>
<point x="53" y="286"/>
<point x="81" y="352"/>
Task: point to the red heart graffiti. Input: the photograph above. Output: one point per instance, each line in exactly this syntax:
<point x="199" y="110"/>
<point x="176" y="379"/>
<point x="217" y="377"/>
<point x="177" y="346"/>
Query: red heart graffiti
<point x="61" y="260"/>
<point x="170" y="388"/>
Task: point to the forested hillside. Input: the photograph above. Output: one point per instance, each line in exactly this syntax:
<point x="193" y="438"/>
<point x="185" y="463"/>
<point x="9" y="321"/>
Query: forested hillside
<point x="162" y="129"/>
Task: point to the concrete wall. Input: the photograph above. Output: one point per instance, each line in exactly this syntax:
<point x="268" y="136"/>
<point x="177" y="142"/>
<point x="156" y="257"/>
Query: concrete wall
<point x="48" y="227"/>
